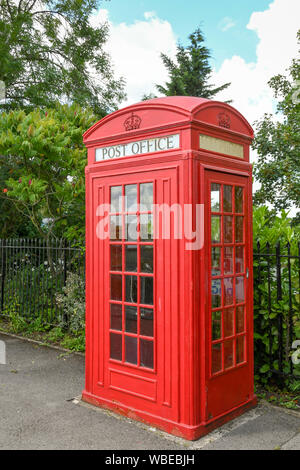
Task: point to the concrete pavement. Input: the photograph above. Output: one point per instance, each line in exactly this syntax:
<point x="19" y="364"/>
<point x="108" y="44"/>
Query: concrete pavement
<point x="38" y="411"/>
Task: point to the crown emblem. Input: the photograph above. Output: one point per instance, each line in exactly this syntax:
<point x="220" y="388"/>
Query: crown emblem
<point x="133" y="122"/>
<point x="224" y="120"/>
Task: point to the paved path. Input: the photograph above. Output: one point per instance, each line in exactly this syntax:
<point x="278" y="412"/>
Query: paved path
<point x="37" y="411"/>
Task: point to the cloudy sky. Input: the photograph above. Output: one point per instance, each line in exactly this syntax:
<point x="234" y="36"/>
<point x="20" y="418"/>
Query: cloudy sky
<point x="250" y="41"/>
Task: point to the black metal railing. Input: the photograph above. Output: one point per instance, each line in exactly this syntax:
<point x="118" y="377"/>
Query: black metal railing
<point x="276" y="308"/>
<point x="32" y="273"/>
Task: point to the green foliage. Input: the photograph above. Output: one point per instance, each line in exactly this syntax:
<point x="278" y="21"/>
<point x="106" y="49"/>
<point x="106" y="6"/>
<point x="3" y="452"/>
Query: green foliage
<point x="190" y="74"/>
<point x="72" y="303"/>
<point x="46" y="159"/>
<point x="50" y="50"/>
<point x="277" y="142"/>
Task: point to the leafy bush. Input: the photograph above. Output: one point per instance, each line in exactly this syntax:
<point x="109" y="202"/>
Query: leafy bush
<point x="72" y="304"/>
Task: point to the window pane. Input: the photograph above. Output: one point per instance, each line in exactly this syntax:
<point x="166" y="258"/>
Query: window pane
<point x="228" y="291"/>
<point x="116" y="199"/>
<point x="216" y="325"/>
<point x="131" y="228"/>
<point x="131" y="258"/>
<point x="146" y="259"/>
<point x="146" y="352"/>
<point x="146" y="196"/>
<point x="239" y="229"/>
<point x="116" y="346"/>
<point x="240" y="319"/>
<point x="116" y="286"/>
<point x="130" y="319"/>
<point x="215" y="229"/>
<point x="227" y="198"/>
<point x="216" y="293"/>
<point x="116" y="257"/>
<point x="215" y="197"/>
<point x="228" y="322"/>
<point x="116" y="317"/>
<point x="216" y="358"/>
<point x="131" y="289"/>
<point x="146" y="290"/>
<point x="238" y="197"/>
<point x="240" y="349"/>
<point x="228" y="354"/>
<point x="239" y="290"/>
<point x="239" y="259"/>
<point x="146" y="227"/>
<point x="228" y="260"/>
<point x="116" y="227"/>
<point x="146" y="321"/>
<point x="131" y="349"/>
<point x="215" y="261"/>
<point x="228" y="229"/>
<point x="131" y="198"/>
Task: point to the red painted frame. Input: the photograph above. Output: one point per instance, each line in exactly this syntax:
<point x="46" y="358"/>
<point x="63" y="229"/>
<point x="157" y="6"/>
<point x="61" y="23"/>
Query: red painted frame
<point x="176" y="395"/>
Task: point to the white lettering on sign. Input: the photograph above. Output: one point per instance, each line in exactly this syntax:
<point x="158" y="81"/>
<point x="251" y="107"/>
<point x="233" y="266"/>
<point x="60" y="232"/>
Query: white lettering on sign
<point x="158" y="144"/>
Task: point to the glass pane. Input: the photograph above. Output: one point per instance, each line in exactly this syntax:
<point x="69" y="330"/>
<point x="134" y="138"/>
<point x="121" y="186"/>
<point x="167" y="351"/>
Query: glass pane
<point x="228" y="260"/>
<point x="215" y="229"/>
<point x="228" y="228"/>
<point x="228" y="291"/>
<point x="116" y="257"/>
<point x="216" y="358"/>
<point x="131" y="228"/>
<point x="239" y="259"/>
<point x="239" y="290"/>
<point x="116" y="346"/>
<point x="131" y="198"/>
<point x="216" y="293"/>
<point x="131" y="289"/>
<point x="131" y="349"/>
<point x="240" y="349"/>
<point x="146" y="322"/>
<point x="216" y="325"/>
<point x="146" y="259"/>
<point x="116" y="227"/>
<point x="227" y="198"/>
<point x="215" y="261"/>
<point x="146" y="352"/>
<point x="228" y="322"/>
<point x="146" y="290"/>
<point x="116" y="317"/>
<point x="146" y="196"/>
<point x="116" y="286"/>
<point x="238" y="198"/>
<point x="146" y="226"/>
<point x="116" y="199"/>
<point x="131" y="258"/>
<point x="215" y="197"/>
<point x="130" y="319"/>
<point x="239" y="229"/>
<point x="240" y="319"/>
<point x="228" y="354"/>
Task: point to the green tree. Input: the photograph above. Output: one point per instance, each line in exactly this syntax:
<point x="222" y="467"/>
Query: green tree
<point x="46" y="156"/>
<point x="190" y="74"/>
<point x="277" y="143"/>
<point x="49" y="51"/>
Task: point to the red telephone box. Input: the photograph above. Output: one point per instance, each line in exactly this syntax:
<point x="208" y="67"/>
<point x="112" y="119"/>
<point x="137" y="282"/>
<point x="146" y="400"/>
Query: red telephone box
<point x="169" y="264"/>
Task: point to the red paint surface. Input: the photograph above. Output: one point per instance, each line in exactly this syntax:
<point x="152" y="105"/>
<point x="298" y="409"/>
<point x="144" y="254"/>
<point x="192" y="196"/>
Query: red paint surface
<point x="180" y="394"/>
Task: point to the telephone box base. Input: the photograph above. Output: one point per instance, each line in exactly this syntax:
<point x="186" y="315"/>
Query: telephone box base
<point x="177" y="429"/>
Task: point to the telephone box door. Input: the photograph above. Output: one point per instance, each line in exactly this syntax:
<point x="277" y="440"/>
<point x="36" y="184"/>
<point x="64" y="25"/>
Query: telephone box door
<point x="228" y="310"/>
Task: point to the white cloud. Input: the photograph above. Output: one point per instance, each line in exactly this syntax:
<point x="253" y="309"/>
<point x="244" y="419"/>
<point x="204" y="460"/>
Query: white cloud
<point x="226" y="23"/>
<point x="276" y="29"/>
<point x="135" y="51"/>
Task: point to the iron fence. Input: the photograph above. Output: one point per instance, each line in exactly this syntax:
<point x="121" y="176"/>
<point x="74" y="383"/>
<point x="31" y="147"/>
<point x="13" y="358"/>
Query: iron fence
<point x="32" y="273"/>
<point x="277" y="309"/>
